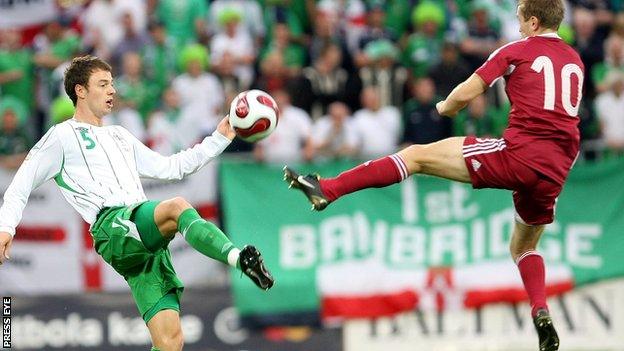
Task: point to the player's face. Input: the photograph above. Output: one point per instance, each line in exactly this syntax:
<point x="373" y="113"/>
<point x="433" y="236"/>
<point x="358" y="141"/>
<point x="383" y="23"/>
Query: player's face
<point x="100" y="93"/>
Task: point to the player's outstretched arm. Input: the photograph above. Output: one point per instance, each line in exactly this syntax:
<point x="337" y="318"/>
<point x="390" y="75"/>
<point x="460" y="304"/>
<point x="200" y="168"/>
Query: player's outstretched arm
<point x="151" y="164"/>
<point x="5" y="246"/>
<point x="461" y="96"/>
<point x="43" y="162"/>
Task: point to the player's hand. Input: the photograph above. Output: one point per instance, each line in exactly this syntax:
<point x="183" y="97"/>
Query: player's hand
<point x="5" y="246"/>
<point x="442" y="111"/>
<point x="225" y="128"/>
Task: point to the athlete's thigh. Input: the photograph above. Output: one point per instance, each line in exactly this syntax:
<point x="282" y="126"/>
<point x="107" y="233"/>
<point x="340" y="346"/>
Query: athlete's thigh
<point x="442" y="158"/>
<point x="164" y="325"/>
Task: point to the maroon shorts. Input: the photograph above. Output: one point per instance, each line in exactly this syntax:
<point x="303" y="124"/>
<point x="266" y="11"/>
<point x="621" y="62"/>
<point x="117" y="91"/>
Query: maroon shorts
<point x="492" y="165"/>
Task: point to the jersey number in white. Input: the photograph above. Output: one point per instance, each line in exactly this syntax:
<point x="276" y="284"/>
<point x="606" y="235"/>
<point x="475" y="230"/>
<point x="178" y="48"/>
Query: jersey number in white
<point x="543" y="63"/>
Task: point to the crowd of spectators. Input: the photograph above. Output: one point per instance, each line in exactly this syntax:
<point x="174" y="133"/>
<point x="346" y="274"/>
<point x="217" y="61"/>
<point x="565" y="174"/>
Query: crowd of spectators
<point x="352" y="79"/>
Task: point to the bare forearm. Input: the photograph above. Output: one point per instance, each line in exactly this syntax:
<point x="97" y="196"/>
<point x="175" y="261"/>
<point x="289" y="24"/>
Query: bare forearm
<point x="461" y="96"/>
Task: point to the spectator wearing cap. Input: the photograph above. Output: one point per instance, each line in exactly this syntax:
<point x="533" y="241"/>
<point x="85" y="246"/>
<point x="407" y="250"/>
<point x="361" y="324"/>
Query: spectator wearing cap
<point x="233" y="46"/>
<point x="199" y="88"/>
<point x="609" y="106"/>
<point x="422" y="48"/>
<point x="383" y="72"/>
<point x="14" y="138"/>
<point x="252" y="17"/>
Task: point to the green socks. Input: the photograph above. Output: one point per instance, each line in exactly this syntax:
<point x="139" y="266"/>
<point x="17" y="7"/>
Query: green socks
<point x="207" y="238"/>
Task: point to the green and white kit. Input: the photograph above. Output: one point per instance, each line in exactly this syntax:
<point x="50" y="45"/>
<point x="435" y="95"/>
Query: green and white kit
<point x="98" y="171"/>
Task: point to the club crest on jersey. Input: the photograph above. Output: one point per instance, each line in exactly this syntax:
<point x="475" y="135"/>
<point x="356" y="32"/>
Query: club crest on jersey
<point x="120" y="141"/>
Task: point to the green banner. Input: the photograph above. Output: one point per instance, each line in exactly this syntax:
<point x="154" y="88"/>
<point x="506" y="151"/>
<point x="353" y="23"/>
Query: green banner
<point x="421" y="222"/>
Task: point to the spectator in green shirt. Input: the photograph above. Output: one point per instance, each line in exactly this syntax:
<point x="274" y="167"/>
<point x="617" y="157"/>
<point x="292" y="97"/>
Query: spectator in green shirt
<point x="477" y="119"/>
<point x="132" y="89"/>
<point x="159" y="59"/>
<point x="184" y="20"/>
<point x="16" y="64"/>
<point x="423" y="46"/>
<point x="293" y="53"/>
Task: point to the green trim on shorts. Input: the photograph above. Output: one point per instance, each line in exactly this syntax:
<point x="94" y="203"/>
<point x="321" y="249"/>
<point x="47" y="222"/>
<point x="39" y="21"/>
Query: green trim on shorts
<point x="171" y="301"/>
<point x="143" y="217"/>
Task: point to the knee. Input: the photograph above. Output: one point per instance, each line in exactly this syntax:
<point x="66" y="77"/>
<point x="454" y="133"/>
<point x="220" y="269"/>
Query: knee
<point x="177" y="205"/>
<point x="173" y="341"/>
<point x="517" y="249"/>
<point x="414" y="157"/>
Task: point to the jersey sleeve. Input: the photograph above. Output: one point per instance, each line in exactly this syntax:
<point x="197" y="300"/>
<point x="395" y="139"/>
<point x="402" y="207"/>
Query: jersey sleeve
<point x="151" y="164"/>
<point x="499" y="62"/>
<point x="44" y="161"/>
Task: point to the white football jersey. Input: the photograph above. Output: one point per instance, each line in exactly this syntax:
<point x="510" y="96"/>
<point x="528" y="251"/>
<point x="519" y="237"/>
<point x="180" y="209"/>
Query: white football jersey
<point x="97" y="167"/>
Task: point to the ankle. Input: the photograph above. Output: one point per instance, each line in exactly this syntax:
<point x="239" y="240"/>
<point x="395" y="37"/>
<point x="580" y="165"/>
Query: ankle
<point x="233" y="258"/>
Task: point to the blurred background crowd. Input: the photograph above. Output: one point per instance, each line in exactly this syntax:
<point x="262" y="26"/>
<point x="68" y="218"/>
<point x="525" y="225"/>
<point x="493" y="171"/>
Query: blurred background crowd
<point x="352" y="78"/>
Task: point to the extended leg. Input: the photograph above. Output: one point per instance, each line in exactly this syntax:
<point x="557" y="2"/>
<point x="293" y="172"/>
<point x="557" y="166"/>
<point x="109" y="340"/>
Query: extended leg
<point x="442" y="159"/>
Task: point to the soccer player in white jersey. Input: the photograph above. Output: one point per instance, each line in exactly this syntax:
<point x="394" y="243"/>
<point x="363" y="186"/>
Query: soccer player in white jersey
<point x="97" y="170"/>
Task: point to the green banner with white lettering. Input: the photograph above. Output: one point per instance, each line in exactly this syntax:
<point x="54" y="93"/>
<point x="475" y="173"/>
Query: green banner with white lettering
<point x="425" y="242"/>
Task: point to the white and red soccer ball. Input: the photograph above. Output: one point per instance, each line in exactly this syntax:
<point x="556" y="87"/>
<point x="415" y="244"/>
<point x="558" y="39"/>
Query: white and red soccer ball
<point x="253" y="115"/>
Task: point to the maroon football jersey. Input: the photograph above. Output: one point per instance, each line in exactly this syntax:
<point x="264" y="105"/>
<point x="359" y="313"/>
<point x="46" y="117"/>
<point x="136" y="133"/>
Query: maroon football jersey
<point x="544" y="79"/>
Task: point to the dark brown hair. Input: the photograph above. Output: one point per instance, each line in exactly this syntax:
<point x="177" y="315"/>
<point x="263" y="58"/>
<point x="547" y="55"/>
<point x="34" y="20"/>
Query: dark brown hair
<point x="548" y="12"/>
<point x="79" y="72"/>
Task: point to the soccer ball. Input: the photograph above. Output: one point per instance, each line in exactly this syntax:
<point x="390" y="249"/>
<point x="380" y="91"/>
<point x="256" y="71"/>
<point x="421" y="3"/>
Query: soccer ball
<point x="253" y="115"/>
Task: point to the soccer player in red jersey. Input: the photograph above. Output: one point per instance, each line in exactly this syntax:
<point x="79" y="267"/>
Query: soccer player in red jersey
<point x="543" y="77"/>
